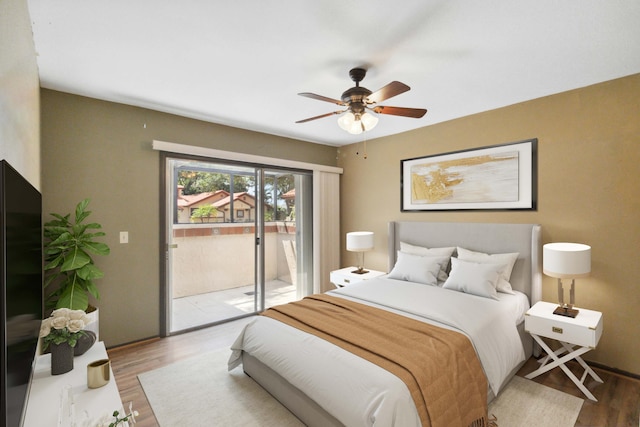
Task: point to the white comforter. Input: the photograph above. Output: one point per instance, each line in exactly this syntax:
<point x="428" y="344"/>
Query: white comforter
<point x="360" y="393"/>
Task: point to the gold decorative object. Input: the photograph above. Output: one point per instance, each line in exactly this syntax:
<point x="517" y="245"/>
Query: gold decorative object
<point x="98" y="373"/>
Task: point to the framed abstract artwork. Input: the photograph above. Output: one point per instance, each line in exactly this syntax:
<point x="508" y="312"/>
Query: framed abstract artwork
<point x="502" y="177"/>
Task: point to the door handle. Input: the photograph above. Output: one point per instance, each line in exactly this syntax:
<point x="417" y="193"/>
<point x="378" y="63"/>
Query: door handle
<point x="172" y="246"/>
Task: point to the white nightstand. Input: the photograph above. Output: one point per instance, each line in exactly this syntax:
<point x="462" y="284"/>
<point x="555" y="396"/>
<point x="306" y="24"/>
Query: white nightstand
<point x="583" y="331"/>
<point x="344" y="276"/>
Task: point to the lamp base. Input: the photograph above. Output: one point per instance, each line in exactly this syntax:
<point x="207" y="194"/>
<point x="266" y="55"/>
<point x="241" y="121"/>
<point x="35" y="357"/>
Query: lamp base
<point x="566" y="311"/>
<point x="360" y="270"/>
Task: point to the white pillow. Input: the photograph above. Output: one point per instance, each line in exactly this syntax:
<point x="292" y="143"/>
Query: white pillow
<point x="415" y="268"/>
<point x="423" y="251"/>
<point x="508" y="260"/>
<point x="474" y="278"/>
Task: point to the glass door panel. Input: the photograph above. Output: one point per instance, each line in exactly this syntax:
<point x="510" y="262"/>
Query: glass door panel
<point x="288" y="233"/>
<point x="211" y="243"/>
<point x="238" y="240"/>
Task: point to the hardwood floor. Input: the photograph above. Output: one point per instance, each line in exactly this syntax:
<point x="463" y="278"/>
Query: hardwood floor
<point x="618" y="398"/>
<point x="129" y="361"/>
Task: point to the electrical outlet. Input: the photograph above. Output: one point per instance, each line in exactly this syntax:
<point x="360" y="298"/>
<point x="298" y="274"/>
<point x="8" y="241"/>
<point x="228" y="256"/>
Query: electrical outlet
<point x="124" y="237"/>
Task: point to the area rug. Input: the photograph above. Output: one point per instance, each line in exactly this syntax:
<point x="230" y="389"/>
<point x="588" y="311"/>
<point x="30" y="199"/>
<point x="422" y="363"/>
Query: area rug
<point x="201" y="392"/>
<point x="526" y="403"/>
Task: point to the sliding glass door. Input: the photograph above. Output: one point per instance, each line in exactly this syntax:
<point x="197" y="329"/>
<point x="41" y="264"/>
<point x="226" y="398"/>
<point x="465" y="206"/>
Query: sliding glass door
<point x="287" y="232"/>
<point x="238" y="240"/>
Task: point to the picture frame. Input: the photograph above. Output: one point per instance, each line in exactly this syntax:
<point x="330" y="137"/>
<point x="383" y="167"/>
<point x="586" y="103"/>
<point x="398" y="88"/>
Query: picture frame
<point x="497" y="177"/>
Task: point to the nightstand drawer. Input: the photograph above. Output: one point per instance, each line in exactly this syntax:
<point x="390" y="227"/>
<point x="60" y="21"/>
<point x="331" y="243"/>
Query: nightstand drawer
<point x="343" y="279"/>
<point x="346" y="276"/>
<point x="575" y="331"/>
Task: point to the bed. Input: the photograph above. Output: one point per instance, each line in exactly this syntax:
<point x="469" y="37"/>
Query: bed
<point x="325" y="385"/>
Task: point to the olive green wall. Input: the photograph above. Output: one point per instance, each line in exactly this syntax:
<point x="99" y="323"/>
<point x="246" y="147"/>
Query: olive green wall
<point x="102" y="150"/>
<point x="588" y="192"/>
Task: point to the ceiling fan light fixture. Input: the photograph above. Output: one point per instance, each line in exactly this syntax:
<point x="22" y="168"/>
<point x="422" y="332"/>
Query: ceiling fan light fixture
<point x="356" y="125"/>
<point x="358" y="99"/>
<point x="369" y="121"/>
<point x="346" y="120"/>
<point x="355" y="128"/>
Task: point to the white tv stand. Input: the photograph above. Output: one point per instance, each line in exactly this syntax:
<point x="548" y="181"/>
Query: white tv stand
<point x="57" y="400"/>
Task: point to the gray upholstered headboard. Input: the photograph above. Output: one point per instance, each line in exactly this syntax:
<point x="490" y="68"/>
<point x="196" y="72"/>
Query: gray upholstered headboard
<point x="489" y="238"/>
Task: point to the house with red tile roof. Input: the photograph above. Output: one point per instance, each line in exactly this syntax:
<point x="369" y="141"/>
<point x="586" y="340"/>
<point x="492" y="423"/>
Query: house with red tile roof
<point x="188" y="203"/>
<point x="241" y="209"/>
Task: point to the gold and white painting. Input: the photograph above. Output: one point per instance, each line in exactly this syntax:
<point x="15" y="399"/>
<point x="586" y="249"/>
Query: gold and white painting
<point x="497" y="177"/>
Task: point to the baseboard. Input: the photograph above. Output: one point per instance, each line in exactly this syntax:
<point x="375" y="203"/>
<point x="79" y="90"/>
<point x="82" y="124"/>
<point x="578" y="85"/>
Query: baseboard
<point x="614" y="370"/>
<point x="130" y="344"/>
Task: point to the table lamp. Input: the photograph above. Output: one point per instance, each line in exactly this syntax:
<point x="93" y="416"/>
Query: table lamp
<point x="360" y="241"/>
<point x="566" y="261"/>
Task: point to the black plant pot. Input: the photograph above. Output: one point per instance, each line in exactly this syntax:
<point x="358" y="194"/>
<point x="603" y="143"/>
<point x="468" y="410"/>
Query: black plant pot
<point x="61" y="358"/>
<point x="84" y="343"/>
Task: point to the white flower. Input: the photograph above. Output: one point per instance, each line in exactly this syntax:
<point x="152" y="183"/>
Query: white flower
<point x="86" y="319"/>
<point x="75" y="325"/>
<point x="61" y="312"/>
<point x="59" y="322"/>
<point x="45" y="327"/>
<point x="77" y="314"/>
<point x="80" y="316"/>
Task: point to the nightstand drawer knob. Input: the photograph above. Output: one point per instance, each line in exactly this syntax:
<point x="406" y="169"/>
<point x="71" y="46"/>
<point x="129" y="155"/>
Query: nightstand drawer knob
<point x="556" y="329"/>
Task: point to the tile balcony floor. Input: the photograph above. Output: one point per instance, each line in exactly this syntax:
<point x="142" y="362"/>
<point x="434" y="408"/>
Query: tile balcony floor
<point x="197" y="310"/>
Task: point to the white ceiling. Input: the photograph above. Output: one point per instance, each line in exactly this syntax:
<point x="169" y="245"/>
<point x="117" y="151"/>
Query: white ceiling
<point x="242" y="63"/>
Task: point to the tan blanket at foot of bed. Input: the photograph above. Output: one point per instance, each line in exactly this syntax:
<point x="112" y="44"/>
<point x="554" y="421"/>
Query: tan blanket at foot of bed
<point x="439" y="366"/>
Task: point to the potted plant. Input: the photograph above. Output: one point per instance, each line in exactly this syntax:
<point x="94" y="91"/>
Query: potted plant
<point x="69" y="267"/>
<point x="62" y="332"/>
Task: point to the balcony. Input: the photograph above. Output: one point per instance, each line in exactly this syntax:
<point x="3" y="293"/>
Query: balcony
<point x="213" y="270"/>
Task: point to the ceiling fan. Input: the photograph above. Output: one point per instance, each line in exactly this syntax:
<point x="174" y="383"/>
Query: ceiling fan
<point x="359" y="99"/>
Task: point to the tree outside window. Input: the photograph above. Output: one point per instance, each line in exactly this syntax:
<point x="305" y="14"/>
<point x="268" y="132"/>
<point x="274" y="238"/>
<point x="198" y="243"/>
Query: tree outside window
<point x="204" y="212"/>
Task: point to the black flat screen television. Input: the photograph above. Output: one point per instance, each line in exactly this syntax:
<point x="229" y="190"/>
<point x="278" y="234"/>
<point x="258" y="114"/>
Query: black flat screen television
<point x="21" y="294"/>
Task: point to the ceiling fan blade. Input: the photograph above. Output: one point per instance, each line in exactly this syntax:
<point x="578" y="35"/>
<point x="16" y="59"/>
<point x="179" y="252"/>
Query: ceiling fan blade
<point x="321" y="98"/>
<point x="320" y="116"/>
<point x="392" y="89"/>
<point x="416" y="113"/>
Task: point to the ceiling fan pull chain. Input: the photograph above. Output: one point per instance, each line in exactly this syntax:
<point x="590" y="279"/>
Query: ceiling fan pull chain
<point x="364" y="138"/>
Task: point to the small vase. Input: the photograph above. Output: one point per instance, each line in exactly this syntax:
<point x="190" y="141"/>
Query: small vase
<point x="84" y="343"/>
<point x="61" y="358"/>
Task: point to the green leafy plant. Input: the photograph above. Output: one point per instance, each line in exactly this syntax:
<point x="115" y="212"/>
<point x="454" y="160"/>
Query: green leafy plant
<point x="115" y="419"/>
<point x="130" y="418"/>
<point x="68" y="263"/>
<point x="205" y="211"/>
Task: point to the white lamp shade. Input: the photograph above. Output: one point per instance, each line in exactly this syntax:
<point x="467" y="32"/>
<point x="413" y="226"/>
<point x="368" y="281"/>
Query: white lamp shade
<point x="369" y="121"/>
<point x="355" y="128"/>
<point x="346" y="120"/>
<point x="360" y="241"/>
<point x="355" y="125"/>
<point x="566" y="260"/>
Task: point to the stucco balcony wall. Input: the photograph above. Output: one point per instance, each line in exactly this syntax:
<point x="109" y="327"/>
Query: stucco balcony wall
<point x="216" y="257"/>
